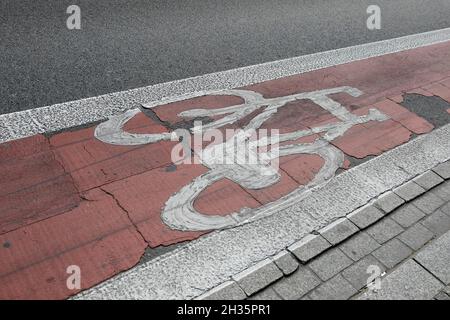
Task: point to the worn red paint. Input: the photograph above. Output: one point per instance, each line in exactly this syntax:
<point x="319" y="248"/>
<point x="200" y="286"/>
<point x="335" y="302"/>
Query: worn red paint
<point x="438" y="89"/>
<point x="97" y="236"/>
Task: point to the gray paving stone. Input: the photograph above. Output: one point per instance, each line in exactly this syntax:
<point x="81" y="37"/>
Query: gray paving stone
<point x="409" y="282"/>
<point x="428" y="180"/>
<point x="365" y="216"/>
<point x="443" y="191"/>
<point x="442" y="296"/>
<point x="266" y="294"/>
<point x="336" y="288"/>
<point x="409" y="191"/>
<point x="389" y="202"/>
<point x="443" y="170"/>
<point x="392" y="253"/>
<point x="416" y="236"/>
<point x="385" y="230"/>
<point x="407" y="215"/>
<point x="330" y="263"/>
<point x="428" y="203"/>
<point x="338" y="230"/>
<point x="357" y="273"/>
<point x="309" y="247"/>
<point x="258" y="276"/>
<point x="436" y="258"/>
<point x="286" y="262"/>
<point x="229" y="290"/>
<point x="447" y="290"/>
<point x="438" y="222"/>
<point x="359" y="246"/>
<point x="446" y="208"/>
<point x="297" y="284"/>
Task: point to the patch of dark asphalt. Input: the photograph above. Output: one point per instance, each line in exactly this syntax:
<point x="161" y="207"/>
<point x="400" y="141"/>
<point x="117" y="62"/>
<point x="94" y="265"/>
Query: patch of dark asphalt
<point x="183" y="124"/>
<point x="50" y="134"/>
<point x="171" y="168"/>
<point x="433" y="109"/>
<point x="152" y="253"/>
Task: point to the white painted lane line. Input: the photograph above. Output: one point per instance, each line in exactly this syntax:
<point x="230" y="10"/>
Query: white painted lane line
<point x="75" y="113"/>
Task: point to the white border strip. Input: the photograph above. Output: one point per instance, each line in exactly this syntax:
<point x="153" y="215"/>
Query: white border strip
<point x="75" y="113"/>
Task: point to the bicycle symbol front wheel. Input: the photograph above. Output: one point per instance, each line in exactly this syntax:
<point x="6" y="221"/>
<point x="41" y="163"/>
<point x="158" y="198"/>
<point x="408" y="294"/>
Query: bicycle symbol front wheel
<point x="179" y="212"/>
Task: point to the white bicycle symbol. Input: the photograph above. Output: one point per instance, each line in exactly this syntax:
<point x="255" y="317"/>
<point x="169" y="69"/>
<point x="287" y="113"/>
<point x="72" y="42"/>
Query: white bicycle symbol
<point x="179" y="212"/>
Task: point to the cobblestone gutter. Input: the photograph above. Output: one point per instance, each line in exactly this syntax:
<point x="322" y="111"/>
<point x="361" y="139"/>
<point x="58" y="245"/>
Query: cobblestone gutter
<point x="404" y="234"/>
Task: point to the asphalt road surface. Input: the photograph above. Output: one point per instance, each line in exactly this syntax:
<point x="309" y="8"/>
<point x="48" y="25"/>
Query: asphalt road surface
<point x="125" y="44"/>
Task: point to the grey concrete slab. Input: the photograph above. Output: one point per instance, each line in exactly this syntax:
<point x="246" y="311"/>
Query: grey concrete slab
<point x="409" y="282"/>
<point x="428" y="203"/>
<point x="389" y="202"/>
<point x="443" y="191"/>
<point x="286" y="262"/>
<point x="309" y="247"/>
<point x="416" y="236"/>
<point x="384" y="230"/>
<point x="409" y="191"/>
<point x="442" y="296"/>
<point x="337" y="288"/>
<point x="266" y="294"/>
<point x="258" y="276"/>
<point x="338" y="230"/>
<point x="443" y="170"/>
<point x="365" y="216"/>
<point x="428" y="180"/>
<point x="438" y="222"/>
<point x="387" y="179"/>
<point x="407" y="215"/>
<point x="333" y="201"/>
<point x="447" y="290"/>
<point x="357" y="274"/>
<point x="416" y="159"/>
<point x="392" y="253"/>
<point x="297" y="285"/>
<point x="446" y="209"/>
<point x="330" y="263"/>
<point x="436" y="258"/>
<point x="229" y="290"/>
<point x="359" y="246"/>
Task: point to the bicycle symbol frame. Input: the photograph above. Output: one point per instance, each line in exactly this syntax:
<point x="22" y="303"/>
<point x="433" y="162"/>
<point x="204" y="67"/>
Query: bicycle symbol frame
<point x="179" y="212"/>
